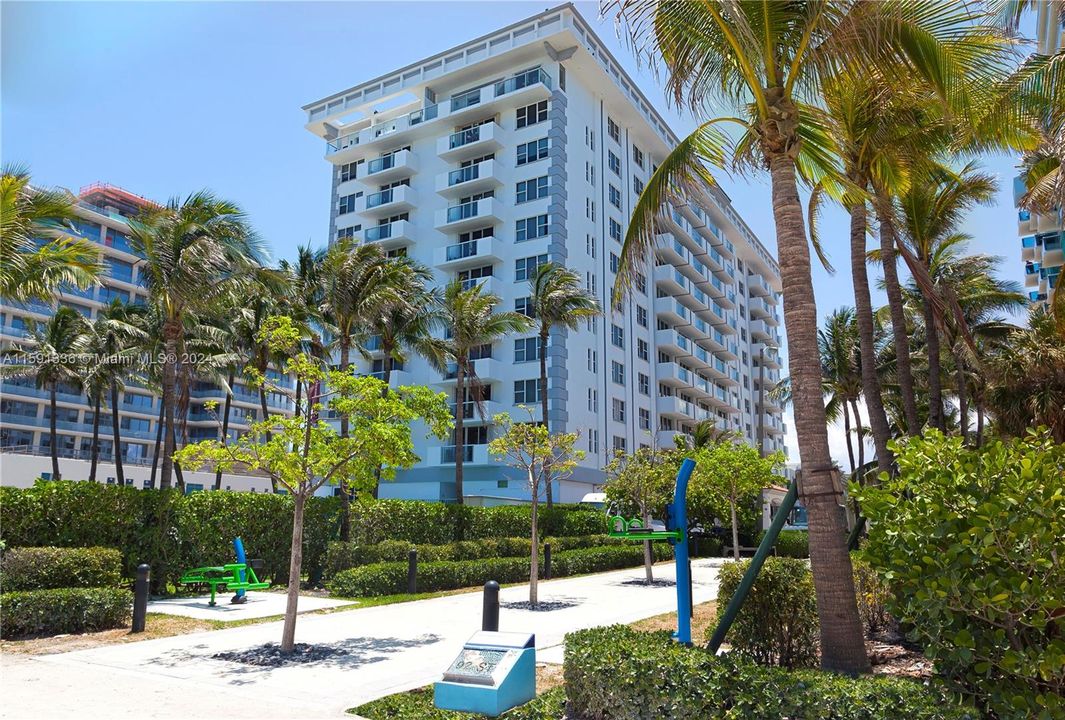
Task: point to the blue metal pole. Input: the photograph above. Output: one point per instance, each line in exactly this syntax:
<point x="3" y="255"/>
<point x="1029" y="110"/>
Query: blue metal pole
<point x="238" y="547"/>
<point x="680" y="553"/>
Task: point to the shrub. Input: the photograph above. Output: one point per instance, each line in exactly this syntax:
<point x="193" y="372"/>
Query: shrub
<point x="63" y="610"/>
<point x="873" y="596"/>
<point x="706" y="546"/>
<point x="617" y="673"/>
<point x="970" y="541"/>
<point x="777" y="624"/>
<point x="44" y="568"/>
<point x="790" y="543"/>
<point x="516" y="521"/>
<point x="429" y="523"/>
<point x="418" y="705"/>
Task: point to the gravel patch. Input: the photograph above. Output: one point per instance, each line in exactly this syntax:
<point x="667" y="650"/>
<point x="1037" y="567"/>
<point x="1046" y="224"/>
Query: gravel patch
<point x="542" y="606"/>
<point x="643" y="583"/>
<point x="270" y="655"/>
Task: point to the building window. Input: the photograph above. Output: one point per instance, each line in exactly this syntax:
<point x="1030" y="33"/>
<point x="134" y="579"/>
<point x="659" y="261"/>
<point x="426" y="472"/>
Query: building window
<point x="641" y="316"/>
<point x="644" y="384"/>
<point x="619" y="444"/>
<point x="614" y="260"/>
<point x="532" y="114"/>
<point x="615" y="197"/>
<point x="637" y="185"/>
<point x="589" y="245"/>
<point x="525" y="268"/>
<point x="613" y="162"/>
<point x="613" y="130"/>
<point x="526" y="349"/>
<point x="618" y="410"/>
<point x="530" y="228"/>
<point x="593" y="361"/>
<point x="645" y="419"/>
<point x="641" y="282"/>
<point x="562" y="77"/>
<point x="532" y="189"/>
<point x="593" y="399"/>
<point x="637" y="156"/>
<point x="347" y="204"/>
<point x="641" y="349"/>
<point x="532" y="151"/>
<point x="348" y="171"/>
<point x="617" y="372"/>
<point x="615" y="230"/>
<point x="526" y="391"/>
<point x="617" y="336"/>
<point x="523" y="306"/>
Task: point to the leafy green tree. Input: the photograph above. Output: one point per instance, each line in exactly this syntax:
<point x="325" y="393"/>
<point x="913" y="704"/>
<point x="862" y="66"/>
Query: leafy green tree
<point x="544" y="458"/>
<point x="641" y="485"/>
<point x="305" y="453"/>
<point x="728" y="482"/>
<point x="36" y="255"/>
<point x="558" y="299"/>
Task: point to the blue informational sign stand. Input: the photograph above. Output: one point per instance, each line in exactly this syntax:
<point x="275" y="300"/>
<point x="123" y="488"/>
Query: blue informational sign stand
<point x="495" y="672"/>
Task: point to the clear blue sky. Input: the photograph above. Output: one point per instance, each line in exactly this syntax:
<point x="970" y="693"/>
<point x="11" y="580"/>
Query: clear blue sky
<point x="167" y="98"/>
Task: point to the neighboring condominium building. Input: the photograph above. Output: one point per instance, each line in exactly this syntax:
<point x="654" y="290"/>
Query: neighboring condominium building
<point x="531" y="145"/>
<point x="25" y="412"/>
<point x="1042" y="234"/>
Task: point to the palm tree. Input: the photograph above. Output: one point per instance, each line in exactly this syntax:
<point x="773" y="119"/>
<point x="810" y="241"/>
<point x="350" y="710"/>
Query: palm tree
<point x="305" y="280"/>
<point x="766" y="63"/>
<point x="557" y="299"/>
<point x="52" y="355"/>
<point x="36" y="256"/>
<point x="194" y="252"/>
<point x="471" y="322"/>
<point x="841" y="361"/>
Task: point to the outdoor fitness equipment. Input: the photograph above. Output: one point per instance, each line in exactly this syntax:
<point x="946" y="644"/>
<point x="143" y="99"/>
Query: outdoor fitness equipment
<point x="239" y="576"/>
<point x="676" y="533"/>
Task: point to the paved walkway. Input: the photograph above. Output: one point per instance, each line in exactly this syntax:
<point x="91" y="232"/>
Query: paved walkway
<point x="390" y="648"/>
<point x="258" y="605"/>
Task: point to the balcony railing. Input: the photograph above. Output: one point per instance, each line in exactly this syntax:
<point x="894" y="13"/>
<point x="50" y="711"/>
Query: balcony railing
<point x="470" y="172"/>
<point x="380" y="198"/>
<point x="521" y="80"/>
<point x="464" y="137"/>
<point x="462" y="212"/>
<point x="462" y="250"/>
<point x="447" y="453"/>
<point x="382" y="163"/>
<point x="378" y="232"/>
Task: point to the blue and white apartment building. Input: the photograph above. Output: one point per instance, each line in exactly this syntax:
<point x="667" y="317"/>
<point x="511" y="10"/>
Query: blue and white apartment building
<point x="531" y="144"/>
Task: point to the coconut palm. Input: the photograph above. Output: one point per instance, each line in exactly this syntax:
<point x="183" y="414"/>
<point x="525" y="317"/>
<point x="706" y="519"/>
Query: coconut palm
<point x="194" y="252"/>
<point x="36" y="256"/>
<point x="305" y="281"/>
<point x="471" y="322"/>
<point x="841" y="360"/>
<point x="53" y="355"/>
<point x="766" y="62"/>
<point x="558" y="299"/>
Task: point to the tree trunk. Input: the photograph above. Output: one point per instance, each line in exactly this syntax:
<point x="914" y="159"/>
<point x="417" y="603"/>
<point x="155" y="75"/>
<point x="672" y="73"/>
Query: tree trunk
<point x="543" y="399"/>
<point x="94" y="450"/>
<point x="847" y="433"/>
<point x="460" y="435"/>
<point x="116" y="437"/>
<point x="935" y="386"/>
<point x="225" y="422"/>
<point x="295" y="565"/>
<point x="387" y="378"/>
<point x="53" y="436"/>
<point x="899" y="332"/>
<point x="158" y="442"/>
<point x="735" y="530"/>
<point x="874" y="402"/>
<point x="534" y="555"/>
<point x="171" y="332"/>
<point x="962" y="392"/>
<point x="842" y="641"/>
<point x="345" y="498"/>
<point x="860" y="432"/>
<point x="979" y="423"/>
<point x="648" y="553"/>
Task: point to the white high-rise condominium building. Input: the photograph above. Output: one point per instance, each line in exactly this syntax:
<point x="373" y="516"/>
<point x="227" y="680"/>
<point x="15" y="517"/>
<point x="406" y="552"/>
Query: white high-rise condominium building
<point x="531" y="145"/>
<point x="1043" y="234"/>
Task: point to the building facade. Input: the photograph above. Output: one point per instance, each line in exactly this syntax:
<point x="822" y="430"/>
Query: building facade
<point x="1042" y="234"/>
<point x="25" y="413"/>
<point x="531" y="145"/>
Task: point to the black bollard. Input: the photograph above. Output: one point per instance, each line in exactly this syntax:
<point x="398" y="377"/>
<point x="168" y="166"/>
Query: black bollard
<point x="412" y="571"/>
<point x="490" y="614"/>
<point x="547" y="561"/>
<point x="140" y="598"/>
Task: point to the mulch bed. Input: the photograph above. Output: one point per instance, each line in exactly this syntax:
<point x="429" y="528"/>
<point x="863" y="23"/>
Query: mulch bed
<point x="270" y="655"/>
<point x="891" y="654"/>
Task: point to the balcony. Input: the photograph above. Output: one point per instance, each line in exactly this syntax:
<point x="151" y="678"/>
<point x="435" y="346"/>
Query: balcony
<point x="472" y="415"/>
<point x="762" y="310"/>
<point x="762" y="332"/>
<point x="1031" y="274"/>
<point x="468" y="254"/>
<point x="392" y="201"/>
<point x="476" y="213"/>
<point x="671" y="406"/>
<point x="672" y="342"/>
<point x="668" y="438"/>
<point x="758" y="285"/>
<point x="383" y="170"/>
<point x="1052" y="250"/>
<point x="358" y="143"/>
<point x="673" y="374"/>
<point x="671" y="280"/>
<point x="398" y="233"/>
<point x="486" y="369"/>
<point x="488" y="285"/>
<point x="521" y="89"/>
<point x="471" y="180"/>
<point x="471" y="455"/>
<point x="668" y="248"/>
<point x="671" y="311"/>
<point x="473" y="142"/>
<point x="1028" y="248"/>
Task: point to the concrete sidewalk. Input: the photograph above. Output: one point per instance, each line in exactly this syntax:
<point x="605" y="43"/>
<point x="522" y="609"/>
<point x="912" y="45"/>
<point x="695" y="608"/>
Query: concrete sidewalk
<point x="389" y="648"/>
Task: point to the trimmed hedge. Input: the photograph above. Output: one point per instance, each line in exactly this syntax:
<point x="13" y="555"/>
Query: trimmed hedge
<point x="390" y="578"/>
<point x="45" y="568"/>
<point x="418" y="705"/>
<point x="63" y="610"/>
<point x="790" y="543"/>
<point x="617" y="673"/>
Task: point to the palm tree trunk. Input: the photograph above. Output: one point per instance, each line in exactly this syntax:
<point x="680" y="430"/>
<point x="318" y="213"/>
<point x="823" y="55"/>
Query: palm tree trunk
<point x="874" y="402"/>
<point x="543" y="401"/>
<point x="171" y="331"/>
<point x="345" y="499"/>
<point x="94" y="450"/>
<point x="225" y="421"/>
<point x="460" y="435"/>
<point x="962" y="392"/>
<point x="295" y="565"/>
<point x="534" y="536"/>
<point x="158" y="442"/>
<point x="979" y="423"/>
<point x="903" y="362"/>
<point x="847" y="433"/>
<point x="842" y="642"/>
<point x="387" y="378"/>
<point x="935" y="384"/>
<point x="860" y="432"/>
<point x="116" y="436"/>
<point x="52" y="434"/>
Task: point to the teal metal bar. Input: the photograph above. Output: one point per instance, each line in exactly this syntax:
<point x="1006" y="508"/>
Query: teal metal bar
<point x="677" y="520"/>
<point x="757" y="561"/>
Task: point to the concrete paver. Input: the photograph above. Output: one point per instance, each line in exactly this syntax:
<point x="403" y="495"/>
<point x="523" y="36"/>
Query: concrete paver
<point x="259" y="605"/>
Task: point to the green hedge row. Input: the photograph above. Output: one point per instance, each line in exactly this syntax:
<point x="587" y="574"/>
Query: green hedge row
<point x="617" y="673"/>
<point x="45" y="568"/>
<point x="390" y="578"/>
<point x="173" y="532"/>
<point x="63" y="610"/>
<point x="344" y="556"/>
<point x="418" y="705"/>
<point x="790" y="543"/>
